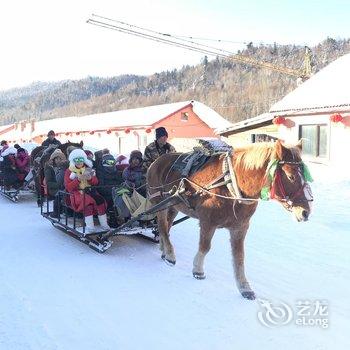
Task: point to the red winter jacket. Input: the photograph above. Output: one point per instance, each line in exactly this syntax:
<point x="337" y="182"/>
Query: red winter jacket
<point x="84" y="203"/>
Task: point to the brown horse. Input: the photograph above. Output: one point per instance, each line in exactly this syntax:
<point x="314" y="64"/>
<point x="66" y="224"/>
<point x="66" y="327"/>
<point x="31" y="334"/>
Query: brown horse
<point x="217" y="208"/>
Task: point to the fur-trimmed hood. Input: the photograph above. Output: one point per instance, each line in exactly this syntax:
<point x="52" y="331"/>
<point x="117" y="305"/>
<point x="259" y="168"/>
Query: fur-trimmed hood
<point x="79" y="153"/>
<point x="9" y="150"/>
<point x="135" y="154"/>
<point x="57" y="153"/>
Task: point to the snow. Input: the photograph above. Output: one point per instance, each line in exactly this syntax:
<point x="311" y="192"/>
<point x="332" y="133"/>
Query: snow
<point x="326" y="89"/>
<point x="56" y="293"/>
<point x="261" y="118"/>
<point x="209" y="116"/>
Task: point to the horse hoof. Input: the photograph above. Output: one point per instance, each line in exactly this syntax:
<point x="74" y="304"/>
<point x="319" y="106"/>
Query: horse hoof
<point x="168" y="262"/>
<point x="199" y="275"/>
<point x="250" y="295"/>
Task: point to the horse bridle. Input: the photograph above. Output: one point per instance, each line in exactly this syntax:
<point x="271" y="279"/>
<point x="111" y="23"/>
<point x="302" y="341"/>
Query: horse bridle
<point x="277" y="182"/>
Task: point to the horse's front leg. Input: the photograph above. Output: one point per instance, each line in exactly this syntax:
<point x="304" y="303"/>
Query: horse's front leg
<point x="206" y="234"/>
<point x="237" y="246"/>
<point x="164" y="223"/>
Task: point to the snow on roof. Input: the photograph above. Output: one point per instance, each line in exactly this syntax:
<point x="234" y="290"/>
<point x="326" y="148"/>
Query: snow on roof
<point x="245" y="124"/>
<point x="209" y="116"/>
<point x="6" y="128"/>
<point x="142" y="117"/>
<point x="327" y="89"/>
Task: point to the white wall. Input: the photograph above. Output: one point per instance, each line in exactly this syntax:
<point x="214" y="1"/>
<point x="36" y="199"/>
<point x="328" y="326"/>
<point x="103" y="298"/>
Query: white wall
<point x="338" y="137"/>
<point x="340" y="144"/>
<point x="117" y="143"/>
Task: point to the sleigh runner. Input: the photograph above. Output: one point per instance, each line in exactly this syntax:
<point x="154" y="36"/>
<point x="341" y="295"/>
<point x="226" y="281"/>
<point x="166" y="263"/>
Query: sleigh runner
<point x="73" y="223"/>
<point x="141" y="223"/>
<point x="14" y="193"/>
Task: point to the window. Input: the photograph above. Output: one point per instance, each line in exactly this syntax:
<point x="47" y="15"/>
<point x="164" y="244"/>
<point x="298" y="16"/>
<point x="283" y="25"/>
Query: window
<point x="315" y="140"/>
<point x="262" y="138"/>
<point x="184" y="116"/>
<point x="144" y="139"/>
<point x="120" y="144"/>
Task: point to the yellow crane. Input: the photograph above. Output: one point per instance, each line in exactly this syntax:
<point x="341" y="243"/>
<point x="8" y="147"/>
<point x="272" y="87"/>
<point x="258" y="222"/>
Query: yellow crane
<point x="304" y="73"/>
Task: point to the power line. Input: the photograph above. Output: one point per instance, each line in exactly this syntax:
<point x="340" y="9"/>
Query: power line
<point x="167" y="35"/>
<point x="246" y="42"/>
<point x="187" y="44"/>
<point x="166" y="39"/>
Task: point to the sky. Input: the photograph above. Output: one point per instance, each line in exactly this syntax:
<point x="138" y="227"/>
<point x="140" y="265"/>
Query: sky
<point x="45" y="40"/>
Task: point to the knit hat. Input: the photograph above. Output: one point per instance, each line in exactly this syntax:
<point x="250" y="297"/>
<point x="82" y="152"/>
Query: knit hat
<point x="120" y="158"/>
<point x="108" y="161"/>
<point x="21" y="150"/>
<point x="161" y="131"/>
<point x="51" y="132"/>
<point x="79" y="153"/>
<point x="57" y="153"/>
<point x="135" y="154"/>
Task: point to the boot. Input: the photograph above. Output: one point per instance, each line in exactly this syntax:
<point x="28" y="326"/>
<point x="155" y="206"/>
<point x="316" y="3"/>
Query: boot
<point x="103" y="222"/>
<point x="89" y="224"/>
<point x="55" y="214"/>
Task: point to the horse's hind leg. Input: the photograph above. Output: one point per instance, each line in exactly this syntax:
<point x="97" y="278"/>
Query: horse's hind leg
<point x="206" y="235"/>
<point x="166" y="247"/>
<point x="172" y="212"/>
<point x="237" y="246"/>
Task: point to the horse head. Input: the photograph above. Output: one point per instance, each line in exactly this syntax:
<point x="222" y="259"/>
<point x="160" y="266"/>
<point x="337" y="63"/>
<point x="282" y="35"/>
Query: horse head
<point x="290" y="176"/>
<point x="68" y="146"/>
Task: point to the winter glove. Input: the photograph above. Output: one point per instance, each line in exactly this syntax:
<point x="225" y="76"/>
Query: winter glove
<point x="81" y="177"/>
<point x="85" y="177"/>
<point x="88" y="174"/>
<point x="73" y="176"/>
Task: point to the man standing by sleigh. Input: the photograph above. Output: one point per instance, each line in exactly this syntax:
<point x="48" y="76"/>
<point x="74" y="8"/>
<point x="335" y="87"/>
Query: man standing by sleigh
<point x="157" y="148"/>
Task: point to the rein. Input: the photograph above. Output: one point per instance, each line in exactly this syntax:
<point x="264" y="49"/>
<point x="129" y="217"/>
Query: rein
<point x="230" y="181"/>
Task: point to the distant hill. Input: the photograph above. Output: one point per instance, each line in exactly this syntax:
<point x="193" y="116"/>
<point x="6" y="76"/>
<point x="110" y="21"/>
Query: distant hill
<point x="234" y="90"/>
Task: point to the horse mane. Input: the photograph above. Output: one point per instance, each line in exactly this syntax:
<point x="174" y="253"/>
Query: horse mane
<point x="254" y="156"/>
<point x="257" y="155"/>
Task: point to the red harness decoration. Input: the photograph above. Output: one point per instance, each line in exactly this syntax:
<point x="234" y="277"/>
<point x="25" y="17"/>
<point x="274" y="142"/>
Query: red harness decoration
<point x="278" y="185"/>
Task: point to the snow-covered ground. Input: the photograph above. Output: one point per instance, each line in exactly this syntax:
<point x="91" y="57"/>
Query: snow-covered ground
<point x="56" y="293"/>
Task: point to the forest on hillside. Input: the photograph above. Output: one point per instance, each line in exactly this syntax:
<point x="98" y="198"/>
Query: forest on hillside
<point x="236" y="91"/>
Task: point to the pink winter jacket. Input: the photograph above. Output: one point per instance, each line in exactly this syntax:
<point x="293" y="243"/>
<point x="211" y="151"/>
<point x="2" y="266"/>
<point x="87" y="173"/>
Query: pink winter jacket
<point x="22" y="160"/>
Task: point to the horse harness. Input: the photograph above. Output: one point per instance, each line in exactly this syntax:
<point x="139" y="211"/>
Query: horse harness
<point x="228" y="177"/>
<point x="188" y="164"/>
<point x="277" y="183"/>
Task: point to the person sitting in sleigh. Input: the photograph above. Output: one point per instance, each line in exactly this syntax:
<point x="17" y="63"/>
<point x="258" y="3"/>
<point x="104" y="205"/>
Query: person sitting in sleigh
<point x="79" y="179"/>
